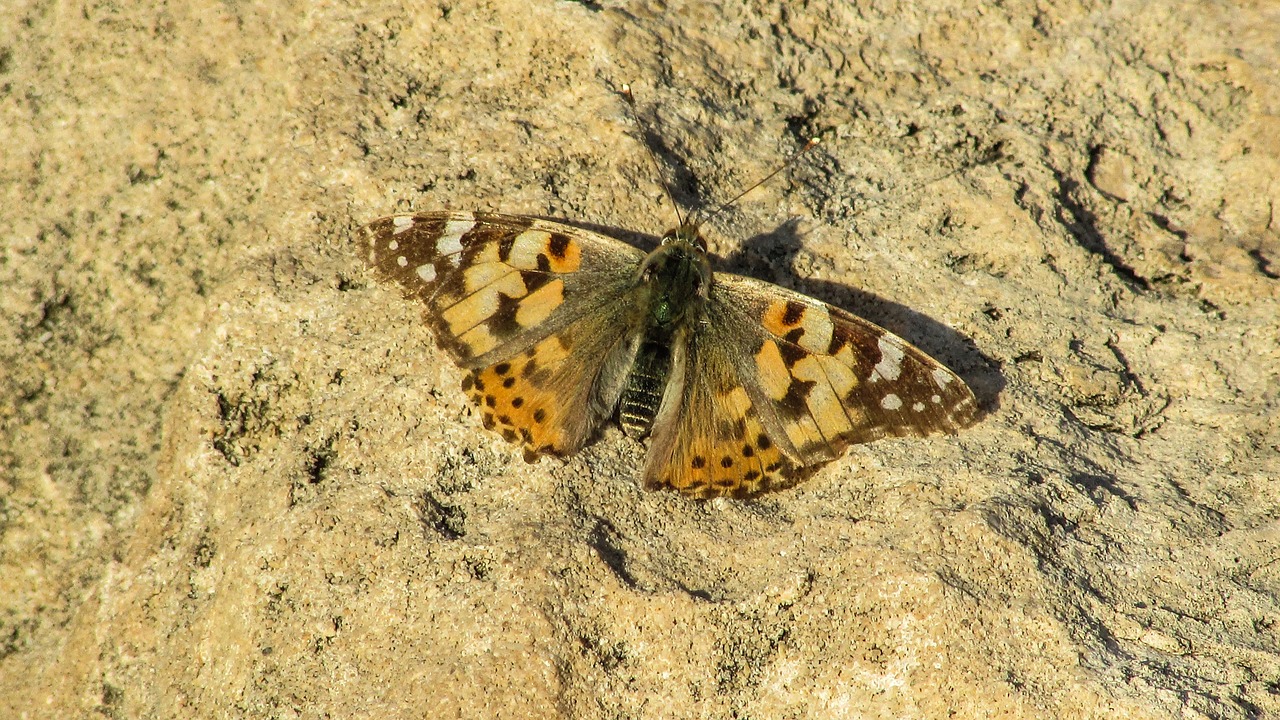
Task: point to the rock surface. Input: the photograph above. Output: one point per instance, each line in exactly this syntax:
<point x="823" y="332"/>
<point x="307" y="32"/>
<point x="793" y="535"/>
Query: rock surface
<point x="238" y="479"/>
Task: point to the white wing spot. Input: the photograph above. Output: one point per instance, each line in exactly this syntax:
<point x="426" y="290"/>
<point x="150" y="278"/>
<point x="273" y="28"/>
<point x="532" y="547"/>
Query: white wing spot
<point x="393" y="246"/>
<point x="402" y="261"/>
<point x="890" y="365"/>
<point x="450" y="240"/>
<point x="942" y="377"/>
<point x="427" y="272"/>
<point x="937" y="399"/>
<point x="918" y="406"/>
<point x="891" y="402"/>
<point x="400" y="223"/>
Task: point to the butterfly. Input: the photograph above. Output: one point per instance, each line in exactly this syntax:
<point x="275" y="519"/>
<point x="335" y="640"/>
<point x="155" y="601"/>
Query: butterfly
<point x="739" y="386"/>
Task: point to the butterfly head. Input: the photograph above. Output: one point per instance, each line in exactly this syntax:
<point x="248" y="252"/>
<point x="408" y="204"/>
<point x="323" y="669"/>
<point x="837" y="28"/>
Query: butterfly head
<point x="676" y="276"/>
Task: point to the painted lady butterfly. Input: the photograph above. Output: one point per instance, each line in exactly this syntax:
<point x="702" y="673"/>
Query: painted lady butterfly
<point x="740" y="386"/>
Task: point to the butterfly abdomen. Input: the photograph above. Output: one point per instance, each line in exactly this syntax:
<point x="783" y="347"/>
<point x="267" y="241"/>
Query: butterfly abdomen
<point x="642" y="395"/>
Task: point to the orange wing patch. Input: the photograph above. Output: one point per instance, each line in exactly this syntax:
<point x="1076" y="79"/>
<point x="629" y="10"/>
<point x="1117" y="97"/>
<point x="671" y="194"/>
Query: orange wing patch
<point x="717" y="447"/>
<point x="801" y="372"/>
<point x="519" y="398"/>
<point x="508" y="285"/>
<point x="540" y="397"/>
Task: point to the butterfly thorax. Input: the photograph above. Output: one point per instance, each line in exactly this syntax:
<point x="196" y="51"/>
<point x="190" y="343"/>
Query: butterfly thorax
<point x="672" y="283"/>
<point x="675" y="277"/>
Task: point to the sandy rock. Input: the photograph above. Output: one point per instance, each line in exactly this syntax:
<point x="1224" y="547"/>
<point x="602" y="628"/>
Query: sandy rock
<point x="238" y="479"/>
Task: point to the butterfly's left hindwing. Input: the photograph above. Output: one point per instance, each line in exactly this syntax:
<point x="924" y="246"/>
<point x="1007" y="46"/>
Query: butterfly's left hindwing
<point x="530" y="307"/>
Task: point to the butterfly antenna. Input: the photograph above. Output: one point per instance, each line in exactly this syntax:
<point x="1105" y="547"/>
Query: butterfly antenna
<point x="812" y="142"/>
<point x="653" y="159"/>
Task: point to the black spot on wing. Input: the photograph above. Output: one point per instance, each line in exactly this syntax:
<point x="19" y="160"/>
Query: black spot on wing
<point x="502" y="324"/>
<point x="793" y="403"/>
<point x="534" y="280"/>
<point x="793" y="313"/>
<point x="558" y="246"/>
<point x="792" y="354"/>
<point x="504" y="246"/>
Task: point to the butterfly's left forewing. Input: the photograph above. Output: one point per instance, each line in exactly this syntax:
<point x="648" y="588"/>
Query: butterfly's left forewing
<point x="531" y="308"/>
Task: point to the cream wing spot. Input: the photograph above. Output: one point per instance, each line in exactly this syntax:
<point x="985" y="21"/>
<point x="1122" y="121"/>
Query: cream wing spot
<point x="824" y="405"/>
<point x="402" y="261"/>
<point x="839" y="374"/>
<point x="526" y="248"/>
<point x="891" y="402"/>
<point x="890" y="365"/>
<point x="427" y="272"/>
<point x="817" y="331"/>
<point x="918" y="406"/>
<point x="393" y="246"/>
<point x="488" y="253"/>
<point x="478" y="340"/>
<point x="450" y="240"/>
<point x="399" y="224"/>
<point x="483" y="275"/>
<point x="942" y="377"/>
